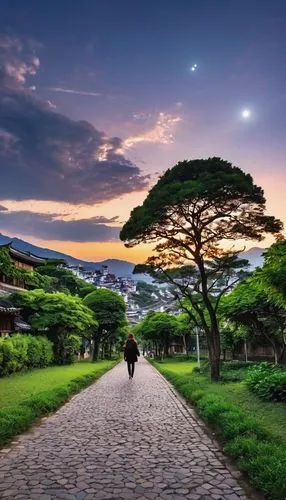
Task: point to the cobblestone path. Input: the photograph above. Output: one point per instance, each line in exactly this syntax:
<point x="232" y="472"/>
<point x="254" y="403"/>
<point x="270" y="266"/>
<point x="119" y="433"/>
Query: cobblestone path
<point x="119" y="439"/>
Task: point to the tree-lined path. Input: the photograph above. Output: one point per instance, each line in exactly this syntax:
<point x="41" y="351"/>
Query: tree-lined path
<point x="119" y="439"/>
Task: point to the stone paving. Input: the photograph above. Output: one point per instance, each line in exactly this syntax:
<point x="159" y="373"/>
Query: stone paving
<point x="119" y="439"/>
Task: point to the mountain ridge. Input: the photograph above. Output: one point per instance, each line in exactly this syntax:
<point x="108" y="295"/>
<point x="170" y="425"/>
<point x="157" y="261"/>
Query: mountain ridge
<point x="117" y="266"/>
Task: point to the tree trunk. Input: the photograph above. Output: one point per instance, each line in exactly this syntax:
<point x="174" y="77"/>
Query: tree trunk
<point x="271" y="342"/>
<point x="103" y="350"/>
<point x="214" y="352"/>
<point x="156" y="350"/>
<point x="212" y="333"/>
<point x="275" y="355"/>
<point x="245" y="351"/>
<point x="215" y="367"/>
<point x="281" y="358"/>
<point x="185" y="344"/>
<point x="166" y="346"/>
<point x="96" y="344"/>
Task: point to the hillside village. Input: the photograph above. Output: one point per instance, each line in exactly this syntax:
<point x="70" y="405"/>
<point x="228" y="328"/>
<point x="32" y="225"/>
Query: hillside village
<point x="140" y="297"/>
<point x="155" y="298"/>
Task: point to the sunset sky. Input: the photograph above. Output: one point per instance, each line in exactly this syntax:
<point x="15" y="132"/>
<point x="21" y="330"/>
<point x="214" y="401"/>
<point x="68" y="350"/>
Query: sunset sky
<point x="97" y="99"/>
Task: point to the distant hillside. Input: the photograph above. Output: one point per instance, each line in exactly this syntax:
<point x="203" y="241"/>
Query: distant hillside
<point x="117" y="267"/>
<point x="254" y="255"/>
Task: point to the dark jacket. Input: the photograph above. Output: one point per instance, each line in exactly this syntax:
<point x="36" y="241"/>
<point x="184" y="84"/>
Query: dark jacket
<point x="131" y="351"/>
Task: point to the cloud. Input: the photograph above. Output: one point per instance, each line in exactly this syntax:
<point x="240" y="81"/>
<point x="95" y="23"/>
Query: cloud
<point x="44" y="155"/>
<point x="50" y="227"/>
<point x="17" y="62"/>
<point x="51" y="104"/>
<point x="3" y="209"/>
<point x="142" y="116"/>
<point x="99" y="219"/>
<point x="160" y="133"/>
<point x="71" y="91"/>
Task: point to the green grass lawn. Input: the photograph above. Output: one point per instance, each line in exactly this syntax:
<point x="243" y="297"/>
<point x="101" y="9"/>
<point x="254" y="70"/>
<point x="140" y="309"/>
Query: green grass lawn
<point x="251" y="430"/>
<point x="24" y="397"/>
<point x="180" y="367"/>
<point x="271" y="415"/>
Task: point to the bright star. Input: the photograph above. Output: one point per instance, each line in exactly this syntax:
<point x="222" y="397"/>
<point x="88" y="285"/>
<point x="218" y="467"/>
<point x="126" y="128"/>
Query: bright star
<point x="246" y="113"/>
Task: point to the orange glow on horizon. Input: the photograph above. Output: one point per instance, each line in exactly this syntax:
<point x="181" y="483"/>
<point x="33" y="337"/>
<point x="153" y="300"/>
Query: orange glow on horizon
<point x="99" y="251"/>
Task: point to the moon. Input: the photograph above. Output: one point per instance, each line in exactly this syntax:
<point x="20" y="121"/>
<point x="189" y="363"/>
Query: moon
<point x="246" y="114"/>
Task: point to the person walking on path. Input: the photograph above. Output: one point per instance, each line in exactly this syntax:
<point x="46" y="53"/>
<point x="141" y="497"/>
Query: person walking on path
<point x="131" y="354"/>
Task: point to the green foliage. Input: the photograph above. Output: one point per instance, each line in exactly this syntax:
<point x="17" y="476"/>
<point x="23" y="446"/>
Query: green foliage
<point x="63" y="280"/>
<point x="73" y="344"/>
<point x="26" y="397"/>
<point x="206" y="186"/>
<point x="272" y="276"/>
<point x="32" y="279"/>
<point x="143" y="296"/>
<point x="194" y="206"/>
<point x="84" y="290"/>
<point x="58" y="314"/>
<point x="108" y="306"/>
<point x="6" y="265"/>
<point x="236" y="365"/>
<point x="264" y="463"/>
<point x="268" y="381"/>
<point x="35" y="280"/>
<point x="110" y="312"/>
<point x="159" y="328"/>
<point x="22" y="352"/>
<point x="248" y="306"/>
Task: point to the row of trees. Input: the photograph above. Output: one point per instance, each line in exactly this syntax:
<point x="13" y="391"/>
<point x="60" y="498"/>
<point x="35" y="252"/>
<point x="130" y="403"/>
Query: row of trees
<point x="67" y="320"/>
<point x="67" y="309"/>
<point x="159" y="330"/>
<point x="255" y="310"/>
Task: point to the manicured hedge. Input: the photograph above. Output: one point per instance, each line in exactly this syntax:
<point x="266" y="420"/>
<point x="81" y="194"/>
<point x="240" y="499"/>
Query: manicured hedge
<point x="23" y="352"/>
<point x="267" y="381"/>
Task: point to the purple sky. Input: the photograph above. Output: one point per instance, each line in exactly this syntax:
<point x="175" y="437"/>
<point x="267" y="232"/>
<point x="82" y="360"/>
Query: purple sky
<point x="96" y="100"/>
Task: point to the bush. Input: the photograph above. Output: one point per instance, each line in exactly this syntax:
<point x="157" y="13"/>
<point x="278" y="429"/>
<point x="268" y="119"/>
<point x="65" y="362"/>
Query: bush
<point x="267" y="381"/>
<point x="73" y="346"/>
<point x="66" y="347"/>
<point x="232" y="377"/>
<point x="236" y="365"/>
<point x="23" y="352"/>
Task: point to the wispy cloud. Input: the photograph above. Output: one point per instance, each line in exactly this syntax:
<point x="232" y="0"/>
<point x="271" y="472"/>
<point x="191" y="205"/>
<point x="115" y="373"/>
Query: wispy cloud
<point x="142" y="116"/>
<point x="160" y="133"/>
<point x="72" y="91"/>
<point x="52" y="226"/>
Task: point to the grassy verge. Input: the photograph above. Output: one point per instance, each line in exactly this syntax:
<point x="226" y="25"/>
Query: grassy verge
<point x="251" y="431"/>
<point x="28" y="396"/>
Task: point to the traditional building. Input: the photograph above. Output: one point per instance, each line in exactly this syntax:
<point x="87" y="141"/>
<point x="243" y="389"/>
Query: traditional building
<point x="10" y="319"/>
<point x="8" y="314"/>
<point x="22" y="260"/>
